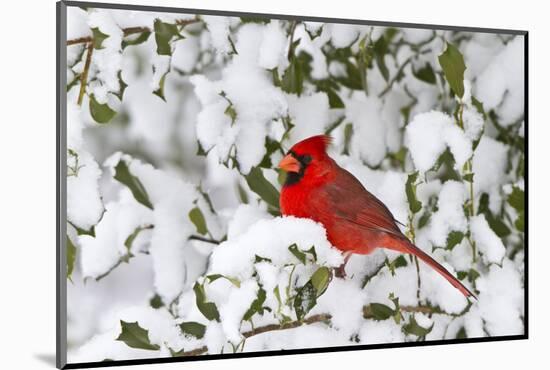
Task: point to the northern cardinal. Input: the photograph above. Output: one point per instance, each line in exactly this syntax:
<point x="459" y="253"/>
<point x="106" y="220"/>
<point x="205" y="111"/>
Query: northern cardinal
<point x="356" y="221"/>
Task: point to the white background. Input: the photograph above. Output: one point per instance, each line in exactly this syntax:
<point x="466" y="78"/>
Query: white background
<point x="27" y="182"/>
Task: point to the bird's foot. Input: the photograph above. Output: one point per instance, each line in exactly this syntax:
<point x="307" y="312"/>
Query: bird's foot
<point x="340" y="272"/>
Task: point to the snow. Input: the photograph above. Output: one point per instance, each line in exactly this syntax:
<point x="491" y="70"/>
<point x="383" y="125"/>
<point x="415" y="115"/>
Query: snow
<point x="427" y="136"/>
<point x="342" y="35"/>
<point x="172" y="199"/>
<point x="368" y="126"/>
<point x="274" y="43"/>
<point x="271" y="239"/>
<point x="501" y="300"/>
<point x="102" y="252"/>
<point x="489" y="165"/>
<point x="161" y="328"/>
<point x="218" y="28"/>
<point x="487" y="241"/>
<point x="232" y="312"/>
<point x="310" y="114"/>
<point x="502" y="82"/>
<point x="450" y="214"/>
<point x="206" y="84"/>
<point x="84" y="204"/>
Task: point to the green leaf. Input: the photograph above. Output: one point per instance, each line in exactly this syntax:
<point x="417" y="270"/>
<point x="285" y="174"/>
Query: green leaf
<point x="381" y="311"/>
<point x="297" y="253"/>
<point x="454" y="238"/>
<point x="312" y="252"/>
<point x="156" y="302"/>
<point x="123" y="86"/>
<point x="98" y="37"/>
<point x="400" y="261"/>
<point x="305" y="300"/>
<point x="452" y="63"/>
<point x="259" y="185"/>
<point x="517" y="199"/>
<point x="495" y="223"/>
<point x="208" y="309"/>
<point x="160" y="90"/>
<point x="254" y="19"/>
<point x="520" y="221"/>
<point x="414" y="328"/>
<point x="101" y="113"/>
<point x="164" y="32"/>
<point x="193" y="329"/>
<point x="197" y="218"/>
<point x="468" y="177"/>
<point x="261" y="259"/>
<point x="232" y="280"/>
<point x="293" y="78"/>
<point x="130" y="239"/>
<point x="71" y="257"/>
<point x="424" y="219"/>
<point x="380" y="50"/>
<point x="320" y="280"/>
<point x="123" y="175"/>
<point x="135" y="336"/>
<point x="144" y="36"/>
<point x="479" y="107"/>
<point x="348" y="133"/>
<point x="174" y="353"/>
<point x="425" y="74"/>
<point x="410" y="188"/>
<point x="257" y="305"/>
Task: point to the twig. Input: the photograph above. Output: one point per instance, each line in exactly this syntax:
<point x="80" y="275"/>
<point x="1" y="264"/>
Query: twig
<point x="203" y="239"/>
<point x="323" y="317"/>
<point x="267" y="328"/>
<point x="131" y="30"/>
<point x="84" y="75"/>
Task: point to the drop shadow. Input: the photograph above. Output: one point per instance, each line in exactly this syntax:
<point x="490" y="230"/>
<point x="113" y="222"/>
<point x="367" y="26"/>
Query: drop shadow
<point x="47" y="358"/>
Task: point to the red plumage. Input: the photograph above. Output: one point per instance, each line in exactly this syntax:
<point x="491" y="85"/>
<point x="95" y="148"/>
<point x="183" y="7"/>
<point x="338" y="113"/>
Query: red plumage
<point x="355" y="220"/>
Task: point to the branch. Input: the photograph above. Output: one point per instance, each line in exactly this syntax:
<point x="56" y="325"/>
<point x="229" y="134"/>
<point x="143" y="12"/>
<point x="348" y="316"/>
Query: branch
<point x="324" y="317"/>
<point x="130" y="31"/>
<point x="84" y="75"/>
<point x="206" y="240"/>
<point x="267" y="328"/>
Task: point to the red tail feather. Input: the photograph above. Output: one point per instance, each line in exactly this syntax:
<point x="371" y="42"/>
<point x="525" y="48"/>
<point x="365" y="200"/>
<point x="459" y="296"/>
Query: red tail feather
<point x="404" y="246"/>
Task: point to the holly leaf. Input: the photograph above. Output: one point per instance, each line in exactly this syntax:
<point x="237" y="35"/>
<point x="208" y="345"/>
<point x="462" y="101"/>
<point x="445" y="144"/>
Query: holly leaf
<point x="135" y="336"/>
<point x="123" y="175"/>
<point x="193" y="329"/>
<point x="452" y="63"/>
<point x="98" y="38"/>
<point x="197" y="218"/>
<point x="259" y="185"/>
<point x="410" y="188"/>
<point x="164" y="32"/>
<point x="71" y="257"/>
<point x="320" y="280"/>
<point x="208" y="309"/>
<point x="101" y="113"/>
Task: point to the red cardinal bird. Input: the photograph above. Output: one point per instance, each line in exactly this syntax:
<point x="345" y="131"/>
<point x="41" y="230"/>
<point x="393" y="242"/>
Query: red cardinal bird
<point x="356" y="221"/>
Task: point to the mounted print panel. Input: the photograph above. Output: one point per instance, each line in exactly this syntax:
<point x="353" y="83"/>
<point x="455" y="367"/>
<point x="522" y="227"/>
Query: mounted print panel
<point x="241" y="184"/>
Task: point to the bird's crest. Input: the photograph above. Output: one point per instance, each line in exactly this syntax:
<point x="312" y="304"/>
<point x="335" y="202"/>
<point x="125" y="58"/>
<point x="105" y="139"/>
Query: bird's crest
<point x="313" y="145"/>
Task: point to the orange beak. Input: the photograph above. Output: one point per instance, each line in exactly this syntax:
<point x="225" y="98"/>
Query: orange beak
<point x="289" y="164"/>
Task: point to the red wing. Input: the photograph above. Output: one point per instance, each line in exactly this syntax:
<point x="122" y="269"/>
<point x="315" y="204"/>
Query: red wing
<point x="353" y="203"/>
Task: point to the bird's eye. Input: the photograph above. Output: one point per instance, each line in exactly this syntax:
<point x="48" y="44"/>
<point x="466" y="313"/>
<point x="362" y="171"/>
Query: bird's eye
<point x="306" y="159"/>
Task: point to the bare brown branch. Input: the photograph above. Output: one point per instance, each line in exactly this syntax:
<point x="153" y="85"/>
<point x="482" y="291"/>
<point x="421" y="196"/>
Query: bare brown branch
<point x="84" y="75"/>
<point x="130" y="31"/>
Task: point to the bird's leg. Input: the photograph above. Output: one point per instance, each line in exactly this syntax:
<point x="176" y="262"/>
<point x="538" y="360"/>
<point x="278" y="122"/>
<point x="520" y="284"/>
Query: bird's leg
<point x="340" y="272"/>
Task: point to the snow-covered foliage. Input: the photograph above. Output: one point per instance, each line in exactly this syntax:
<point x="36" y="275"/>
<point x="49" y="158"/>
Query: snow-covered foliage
<point x="176" y="122"/>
